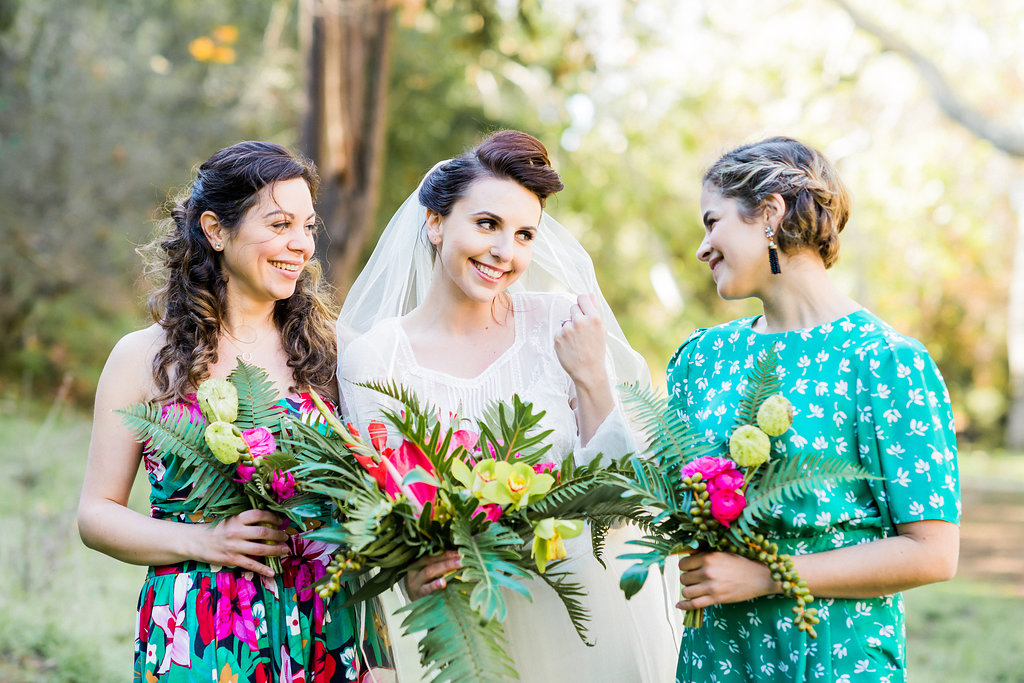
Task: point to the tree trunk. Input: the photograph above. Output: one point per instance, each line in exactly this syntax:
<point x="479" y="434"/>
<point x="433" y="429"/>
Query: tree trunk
<point x="347" y="45"/>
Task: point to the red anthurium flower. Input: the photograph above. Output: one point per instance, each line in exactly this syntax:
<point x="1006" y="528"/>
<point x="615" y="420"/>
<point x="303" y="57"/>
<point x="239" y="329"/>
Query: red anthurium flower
<point x="407" y="458"/>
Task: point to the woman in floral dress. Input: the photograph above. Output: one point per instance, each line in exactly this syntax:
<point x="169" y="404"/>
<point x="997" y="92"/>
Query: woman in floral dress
<point x="861" y="391"/>
<point x="238" y="283"/>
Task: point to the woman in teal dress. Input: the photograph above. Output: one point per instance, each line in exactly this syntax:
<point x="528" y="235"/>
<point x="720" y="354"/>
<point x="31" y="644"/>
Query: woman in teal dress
<point x="772" y="213"/>
<point x="238" y="282"/>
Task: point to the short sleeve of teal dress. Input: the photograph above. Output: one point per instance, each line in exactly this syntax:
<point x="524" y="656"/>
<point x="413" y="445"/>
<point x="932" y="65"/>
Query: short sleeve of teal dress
<point x="862" y="392"/>
<point x="197" y="622"/>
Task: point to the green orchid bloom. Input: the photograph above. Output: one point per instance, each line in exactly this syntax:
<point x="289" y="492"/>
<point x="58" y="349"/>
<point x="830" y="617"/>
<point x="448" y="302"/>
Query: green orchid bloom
<point x="475" y="479"/>
<point x="218" y="399"/>
<point x="226" y="442"/>
<point x="548" y="539"/>
<point x="515" y="485"/>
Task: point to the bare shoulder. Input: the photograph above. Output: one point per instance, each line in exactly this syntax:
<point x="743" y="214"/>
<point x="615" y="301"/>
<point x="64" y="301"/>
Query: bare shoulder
<point x="128" y="373"/>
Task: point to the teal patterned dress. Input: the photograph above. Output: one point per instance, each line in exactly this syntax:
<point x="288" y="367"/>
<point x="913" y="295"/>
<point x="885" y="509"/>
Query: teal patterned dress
<point x="211" y="624"/>
<point x="863" y="392"/>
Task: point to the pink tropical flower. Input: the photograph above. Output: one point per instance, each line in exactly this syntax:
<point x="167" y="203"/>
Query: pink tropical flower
<point x="708" y="466"/>
<point x="283" y="484"/>
<point x="407" y="458"/>
<point x="490" y="511"/>
<point x="233" y="615"/>
<point x="466" y="439"/>
<point x="726" y="505"/>
<point x="260" y="441"/>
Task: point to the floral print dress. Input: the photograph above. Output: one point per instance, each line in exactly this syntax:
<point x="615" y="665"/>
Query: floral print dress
<point x="862" y="392"/>
<point x="197" y="622"/>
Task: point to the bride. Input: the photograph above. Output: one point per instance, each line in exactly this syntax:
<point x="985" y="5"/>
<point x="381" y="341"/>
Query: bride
<point x="468" y="299"/>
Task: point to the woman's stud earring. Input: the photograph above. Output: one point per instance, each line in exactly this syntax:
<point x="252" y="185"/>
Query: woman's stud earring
<point x="773" y="254"/>
<point x="218" y="246"/>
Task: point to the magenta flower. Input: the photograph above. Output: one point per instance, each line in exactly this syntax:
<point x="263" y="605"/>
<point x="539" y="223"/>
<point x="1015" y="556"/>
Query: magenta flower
<point x="726" y="505"/>
<point x="490" y="511"/>
<point x="708" y="466"/>
<point x="283" y="484"/>
<point x="260" y="441"/>
<point x="245" y="472"/>
<point x="464" y="438"/>
<point x="233" y="615"/>
<point x="729" y="480"/>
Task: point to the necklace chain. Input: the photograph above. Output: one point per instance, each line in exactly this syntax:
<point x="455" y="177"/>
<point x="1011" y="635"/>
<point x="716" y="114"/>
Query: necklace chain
<point x="246" y="356"/>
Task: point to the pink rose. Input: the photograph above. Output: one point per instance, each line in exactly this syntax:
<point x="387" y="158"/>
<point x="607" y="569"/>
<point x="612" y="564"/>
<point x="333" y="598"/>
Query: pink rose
<point x="729" y="480"/>
<point x="727" y="505"/>
<point x="283" y="485"/>
<point x="260" y="441"/>
<point x="708" y="466"/>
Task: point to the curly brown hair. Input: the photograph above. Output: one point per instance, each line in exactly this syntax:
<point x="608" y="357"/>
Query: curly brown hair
<point x="190" y="299"/>
<point x="817" y="202"/>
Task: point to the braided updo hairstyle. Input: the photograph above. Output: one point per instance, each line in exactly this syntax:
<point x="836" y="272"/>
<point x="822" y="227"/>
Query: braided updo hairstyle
<point x="508" y="154"/>
<point x="817" y="202"/>
<point x="190" y="300"/>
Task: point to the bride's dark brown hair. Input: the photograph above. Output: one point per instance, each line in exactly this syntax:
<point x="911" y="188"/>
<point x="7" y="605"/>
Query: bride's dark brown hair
<point x="190" y="300"/>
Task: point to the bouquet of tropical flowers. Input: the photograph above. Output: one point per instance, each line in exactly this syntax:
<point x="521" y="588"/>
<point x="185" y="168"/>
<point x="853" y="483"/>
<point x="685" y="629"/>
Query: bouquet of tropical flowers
<point x="226" y="441"/>
<point x="703" y="502"/>
<point x="487" y="492"/>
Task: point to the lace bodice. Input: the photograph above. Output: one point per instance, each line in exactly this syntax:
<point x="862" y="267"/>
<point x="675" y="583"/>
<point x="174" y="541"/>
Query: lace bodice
<point x="528" y="368"/>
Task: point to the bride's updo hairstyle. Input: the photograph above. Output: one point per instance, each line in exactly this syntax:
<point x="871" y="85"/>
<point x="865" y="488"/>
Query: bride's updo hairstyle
<point x="190" y="301"/>
<point x="817" y="202"/>
<point x="508" y="154"/>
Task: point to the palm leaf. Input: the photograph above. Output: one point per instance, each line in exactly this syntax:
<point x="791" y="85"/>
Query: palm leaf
<point x="516" y="436"/>
<point x="457" y="645"/>
<point x="487" y="561"/>
<point x="762" y="382"/>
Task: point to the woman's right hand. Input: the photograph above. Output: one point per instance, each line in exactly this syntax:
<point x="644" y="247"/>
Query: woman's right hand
<point x="240" y="540"/>
<point x="428" y="573"/>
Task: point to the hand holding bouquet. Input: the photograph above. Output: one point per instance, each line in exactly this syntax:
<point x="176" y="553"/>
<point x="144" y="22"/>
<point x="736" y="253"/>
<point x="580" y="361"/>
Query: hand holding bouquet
<point x="702" y="502"/>
<point x="227" y="447"/>
<point x="487" y="493"/>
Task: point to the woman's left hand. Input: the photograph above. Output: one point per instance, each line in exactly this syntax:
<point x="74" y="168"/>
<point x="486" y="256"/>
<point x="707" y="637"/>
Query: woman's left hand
<point x="580" y="344"/>
<point x="717" y="578"/>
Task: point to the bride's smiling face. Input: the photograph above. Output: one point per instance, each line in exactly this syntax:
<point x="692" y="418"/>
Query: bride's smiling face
<point x="485" y="242"/>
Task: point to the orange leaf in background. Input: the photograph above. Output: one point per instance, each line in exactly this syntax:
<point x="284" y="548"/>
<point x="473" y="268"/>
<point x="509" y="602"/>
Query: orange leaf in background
<point x="202" y="49"/>
<point x="226" y="34"/>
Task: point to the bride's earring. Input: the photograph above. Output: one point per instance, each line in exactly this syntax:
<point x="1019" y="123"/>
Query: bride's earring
<point x="773" y="254"/>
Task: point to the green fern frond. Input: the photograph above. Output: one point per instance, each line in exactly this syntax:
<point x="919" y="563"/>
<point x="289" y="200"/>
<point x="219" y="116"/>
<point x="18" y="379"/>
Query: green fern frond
<point x="762" y="382"/>
<point x="672" y="441"/>
<point x="456" y="646"/>
<point x="257" y="397"/>
<point x="787" y="478"/>
<point x="571" y="595"/>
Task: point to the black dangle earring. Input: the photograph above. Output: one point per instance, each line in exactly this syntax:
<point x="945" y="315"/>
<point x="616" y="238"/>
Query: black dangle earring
<point x="773" y="254"/>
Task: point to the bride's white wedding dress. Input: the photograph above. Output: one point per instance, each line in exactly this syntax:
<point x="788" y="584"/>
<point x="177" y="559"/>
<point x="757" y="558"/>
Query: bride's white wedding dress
<point x="635" y="640"/>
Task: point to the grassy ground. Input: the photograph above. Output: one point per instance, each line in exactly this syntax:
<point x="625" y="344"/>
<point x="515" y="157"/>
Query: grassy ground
<point x="68" y="612"/>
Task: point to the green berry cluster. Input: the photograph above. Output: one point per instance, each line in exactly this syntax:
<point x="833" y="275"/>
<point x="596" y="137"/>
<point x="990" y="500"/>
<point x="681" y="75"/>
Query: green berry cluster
<point x="339" y="565"/>
<point x="700" y="507"/>
<point x="783" y="572"/>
